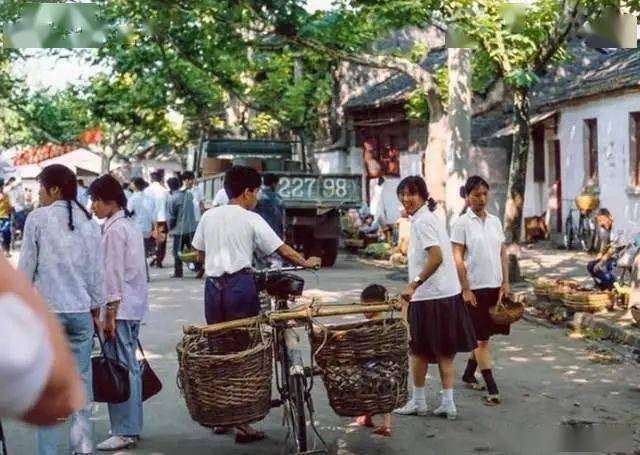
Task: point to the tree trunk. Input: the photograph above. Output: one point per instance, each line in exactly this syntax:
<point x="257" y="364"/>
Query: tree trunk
<point x="459" y="114"/>
<point x="435" y="158"/>
<point x="517" y="179"/>
<point x="105" y="166"/>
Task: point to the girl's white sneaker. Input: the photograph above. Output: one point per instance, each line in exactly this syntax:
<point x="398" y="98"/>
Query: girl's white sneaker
<point x="447" y="410"/>
<point x="116" y="443"/>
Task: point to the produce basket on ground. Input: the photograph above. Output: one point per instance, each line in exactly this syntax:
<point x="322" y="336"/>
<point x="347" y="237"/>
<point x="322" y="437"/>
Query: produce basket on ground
<point x="561" y="289"/>
<point x="508" y="311"/>
<point x="589" y="302"/>
<point x="541" y="288"/>
<point x="364" y="365"/>
<point x="225" y="377"/>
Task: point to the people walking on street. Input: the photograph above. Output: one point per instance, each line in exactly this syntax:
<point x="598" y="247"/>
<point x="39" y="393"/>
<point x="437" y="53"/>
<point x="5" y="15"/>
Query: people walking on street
<point x="482" y="264"/>
<point x="189" y="180"/>
<point x="270" y="204"/>
<point x="159" y="194"/>
<point x="142" y="208"/>
<point x="5" y="220"/>
<point x="127" y="304"/>
<point x="60" y="255"/>
<point x="16" y="196"/>
<point x="227" y="238"/>
<point x="439" y="321"/>
<point x="181" y="221"/>
<point x="372" y="295"/>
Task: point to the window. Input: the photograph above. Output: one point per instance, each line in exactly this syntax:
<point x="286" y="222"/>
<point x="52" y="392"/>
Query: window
<point x="634" y="149"/>
<point x="537" y="136"/>
<point x="591" y="152"/>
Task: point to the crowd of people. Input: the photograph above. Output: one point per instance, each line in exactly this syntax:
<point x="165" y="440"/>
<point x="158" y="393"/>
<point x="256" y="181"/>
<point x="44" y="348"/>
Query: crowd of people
<point x="94" y="279"/>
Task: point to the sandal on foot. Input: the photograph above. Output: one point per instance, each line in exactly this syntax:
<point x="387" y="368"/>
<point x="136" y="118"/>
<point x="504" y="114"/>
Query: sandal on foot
<point x="221" y="430"/>
<point x="384" y="432"/>
<point x="363" y="421"/>
<point x="492" y="400"/>
<point x="245" y="438"/>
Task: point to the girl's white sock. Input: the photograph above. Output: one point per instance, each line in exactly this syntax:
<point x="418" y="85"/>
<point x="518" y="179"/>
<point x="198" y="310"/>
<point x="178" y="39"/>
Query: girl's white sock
<point x="447" y="396"/>
<point x="418" y="394"/>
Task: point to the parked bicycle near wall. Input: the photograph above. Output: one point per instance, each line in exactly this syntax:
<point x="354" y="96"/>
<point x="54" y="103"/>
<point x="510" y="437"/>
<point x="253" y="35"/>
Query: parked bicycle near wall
<point x="579" y="228"/>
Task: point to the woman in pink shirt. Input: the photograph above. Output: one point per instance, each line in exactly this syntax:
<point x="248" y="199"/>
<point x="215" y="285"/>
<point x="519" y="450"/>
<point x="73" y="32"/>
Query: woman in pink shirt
<point x="127" y="304"/>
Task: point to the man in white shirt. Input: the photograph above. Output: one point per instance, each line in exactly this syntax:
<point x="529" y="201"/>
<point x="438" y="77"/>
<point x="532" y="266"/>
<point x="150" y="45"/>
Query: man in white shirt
<point x="221" y="198"/>
<point x="143" y="209"/>
<point x="160" y="195"/>
<point x="188" y="180"/>
<point x="227" y="238"/>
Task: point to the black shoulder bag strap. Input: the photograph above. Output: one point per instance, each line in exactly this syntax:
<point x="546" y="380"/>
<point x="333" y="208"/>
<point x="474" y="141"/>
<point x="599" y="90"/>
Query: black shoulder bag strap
<point x="3" y="441"/>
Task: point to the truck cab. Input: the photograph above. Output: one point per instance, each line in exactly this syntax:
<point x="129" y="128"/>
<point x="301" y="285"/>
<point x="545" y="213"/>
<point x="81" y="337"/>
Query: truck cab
<point x="312" y="201"/>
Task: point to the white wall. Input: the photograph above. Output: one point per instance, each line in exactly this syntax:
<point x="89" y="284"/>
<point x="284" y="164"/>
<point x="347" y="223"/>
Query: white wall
<point x="613" y="156"/>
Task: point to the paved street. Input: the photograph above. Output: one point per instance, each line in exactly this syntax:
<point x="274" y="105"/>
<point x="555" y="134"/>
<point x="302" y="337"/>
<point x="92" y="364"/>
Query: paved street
<point x="545" y="377"/>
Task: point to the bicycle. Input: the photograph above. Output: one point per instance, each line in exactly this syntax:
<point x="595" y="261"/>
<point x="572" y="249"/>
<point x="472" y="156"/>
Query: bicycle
<point x="583" y="230"/>
<point x="294" y="381"/>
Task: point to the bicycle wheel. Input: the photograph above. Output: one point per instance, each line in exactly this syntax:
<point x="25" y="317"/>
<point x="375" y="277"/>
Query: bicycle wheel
<point x="568" y="233"/>
<point x="297" y="406"/>
<point x="585" y="234"/>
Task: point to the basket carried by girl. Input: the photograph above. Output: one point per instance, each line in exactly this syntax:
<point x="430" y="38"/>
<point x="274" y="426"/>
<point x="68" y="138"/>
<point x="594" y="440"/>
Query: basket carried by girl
<point x="364" y="365"/>
<point x="225" y="377"/>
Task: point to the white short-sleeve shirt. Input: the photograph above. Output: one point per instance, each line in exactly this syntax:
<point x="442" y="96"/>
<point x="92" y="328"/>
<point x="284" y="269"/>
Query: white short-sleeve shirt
<point x="483" y="242"/>
<point x="26" y="357"/>
<point x="428" y="230"/>
<point x="198" y="197"/>
<point x="229" y="235"/>
<point x="221" y="198"/>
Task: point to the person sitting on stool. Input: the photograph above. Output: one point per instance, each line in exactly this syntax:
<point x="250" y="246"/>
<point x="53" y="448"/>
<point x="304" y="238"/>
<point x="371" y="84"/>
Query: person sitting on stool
<point x="601" y="269"/>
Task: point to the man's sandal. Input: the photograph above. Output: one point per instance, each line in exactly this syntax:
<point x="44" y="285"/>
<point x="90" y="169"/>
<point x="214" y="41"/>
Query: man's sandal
<point x="381" y="432"/>
<point x="492" y="400"/>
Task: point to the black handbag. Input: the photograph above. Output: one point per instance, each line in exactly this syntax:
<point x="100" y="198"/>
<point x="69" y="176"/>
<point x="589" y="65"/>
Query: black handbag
<point x="110" y="378"/>
<point x="151" y="384"/>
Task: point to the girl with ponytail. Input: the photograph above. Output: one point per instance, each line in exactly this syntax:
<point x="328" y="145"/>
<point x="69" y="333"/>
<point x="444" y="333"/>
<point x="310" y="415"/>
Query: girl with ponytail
<point x="439" y="322"/>
<point x="60" y="256"/>
<point x="124" y="258"/>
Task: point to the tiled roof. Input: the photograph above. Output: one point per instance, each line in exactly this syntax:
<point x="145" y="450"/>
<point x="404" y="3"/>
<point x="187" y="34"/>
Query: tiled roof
<point x="590" y="73"/>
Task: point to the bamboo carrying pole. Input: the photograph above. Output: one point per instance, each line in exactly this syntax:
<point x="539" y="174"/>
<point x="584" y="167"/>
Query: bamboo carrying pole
<point x="303" y="313"/>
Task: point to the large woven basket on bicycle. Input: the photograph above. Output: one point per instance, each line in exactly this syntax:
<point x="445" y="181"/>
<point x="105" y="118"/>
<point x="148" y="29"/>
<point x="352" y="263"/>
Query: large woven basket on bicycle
<point x="364" y="365"/>
<point x="225" y="377"/>
<point x="587" y="203"/>
<point x="588" y="301"/>
<point x="508" y="310"/>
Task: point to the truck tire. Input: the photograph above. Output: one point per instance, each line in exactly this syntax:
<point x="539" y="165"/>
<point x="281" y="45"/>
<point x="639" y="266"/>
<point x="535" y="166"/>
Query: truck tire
<point x="329" y="252"/>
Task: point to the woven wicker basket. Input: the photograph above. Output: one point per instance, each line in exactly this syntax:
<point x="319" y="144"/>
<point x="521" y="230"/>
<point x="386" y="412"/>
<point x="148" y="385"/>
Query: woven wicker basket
<point x="226" y="377"/>
<point x="635" y="312"/>
<point x="541" y="288"/>
<point x="589" y="302"/>
<point x="587" y="202"/>
<point x="364" y="365"/>
<point x="562" y="288"/>
<point x="507" y="311"/>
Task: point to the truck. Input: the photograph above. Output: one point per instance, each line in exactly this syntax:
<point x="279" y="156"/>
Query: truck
<point x="312" y="201"/>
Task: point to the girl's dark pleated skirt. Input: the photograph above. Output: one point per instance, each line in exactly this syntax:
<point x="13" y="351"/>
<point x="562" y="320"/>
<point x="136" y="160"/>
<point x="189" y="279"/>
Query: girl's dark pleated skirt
<point x="482" y="322"/>
<point x="440" y="328"/>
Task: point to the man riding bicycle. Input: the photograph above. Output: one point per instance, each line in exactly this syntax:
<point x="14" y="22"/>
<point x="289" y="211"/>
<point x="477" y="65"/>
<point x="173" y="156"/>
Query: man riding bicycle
<point x="226" y="239"/>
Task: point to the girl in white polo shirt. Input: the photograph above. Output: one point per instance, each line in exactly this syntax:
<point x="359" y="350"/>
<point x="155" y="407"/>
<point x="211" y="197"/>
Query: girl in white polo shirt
<point x="481" y="260"/>
<point x="439" y="321"/>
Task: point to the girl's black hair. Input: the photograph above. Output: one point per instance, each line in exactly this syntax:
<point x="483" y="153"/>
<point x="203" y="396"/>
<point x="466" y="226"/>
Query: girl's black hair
<point x="473" y="182"/>
<point x="416" y="185"/>
<point x="62" y="177"/>
<point x="107" y="189"/>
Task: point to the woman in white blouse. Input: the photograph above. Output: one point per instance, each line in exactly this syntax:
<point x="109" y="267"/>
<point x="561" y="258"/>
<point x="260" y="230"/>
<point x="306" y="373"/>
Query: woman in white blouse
<point x="439" y="321"/>
<point x="482" y="264"/>
<point x="59" y="256"/>
<point x="127" y="304"/>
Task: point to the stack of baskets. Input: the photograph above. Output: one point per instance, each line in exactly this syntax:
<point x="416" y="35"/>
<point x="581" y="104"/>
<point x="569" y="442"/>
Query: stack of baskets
<point x="225" y="377"/>
<point x="588" y="301"/>
<point x="541" y="288"/>
<point x="364" y="365"/>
